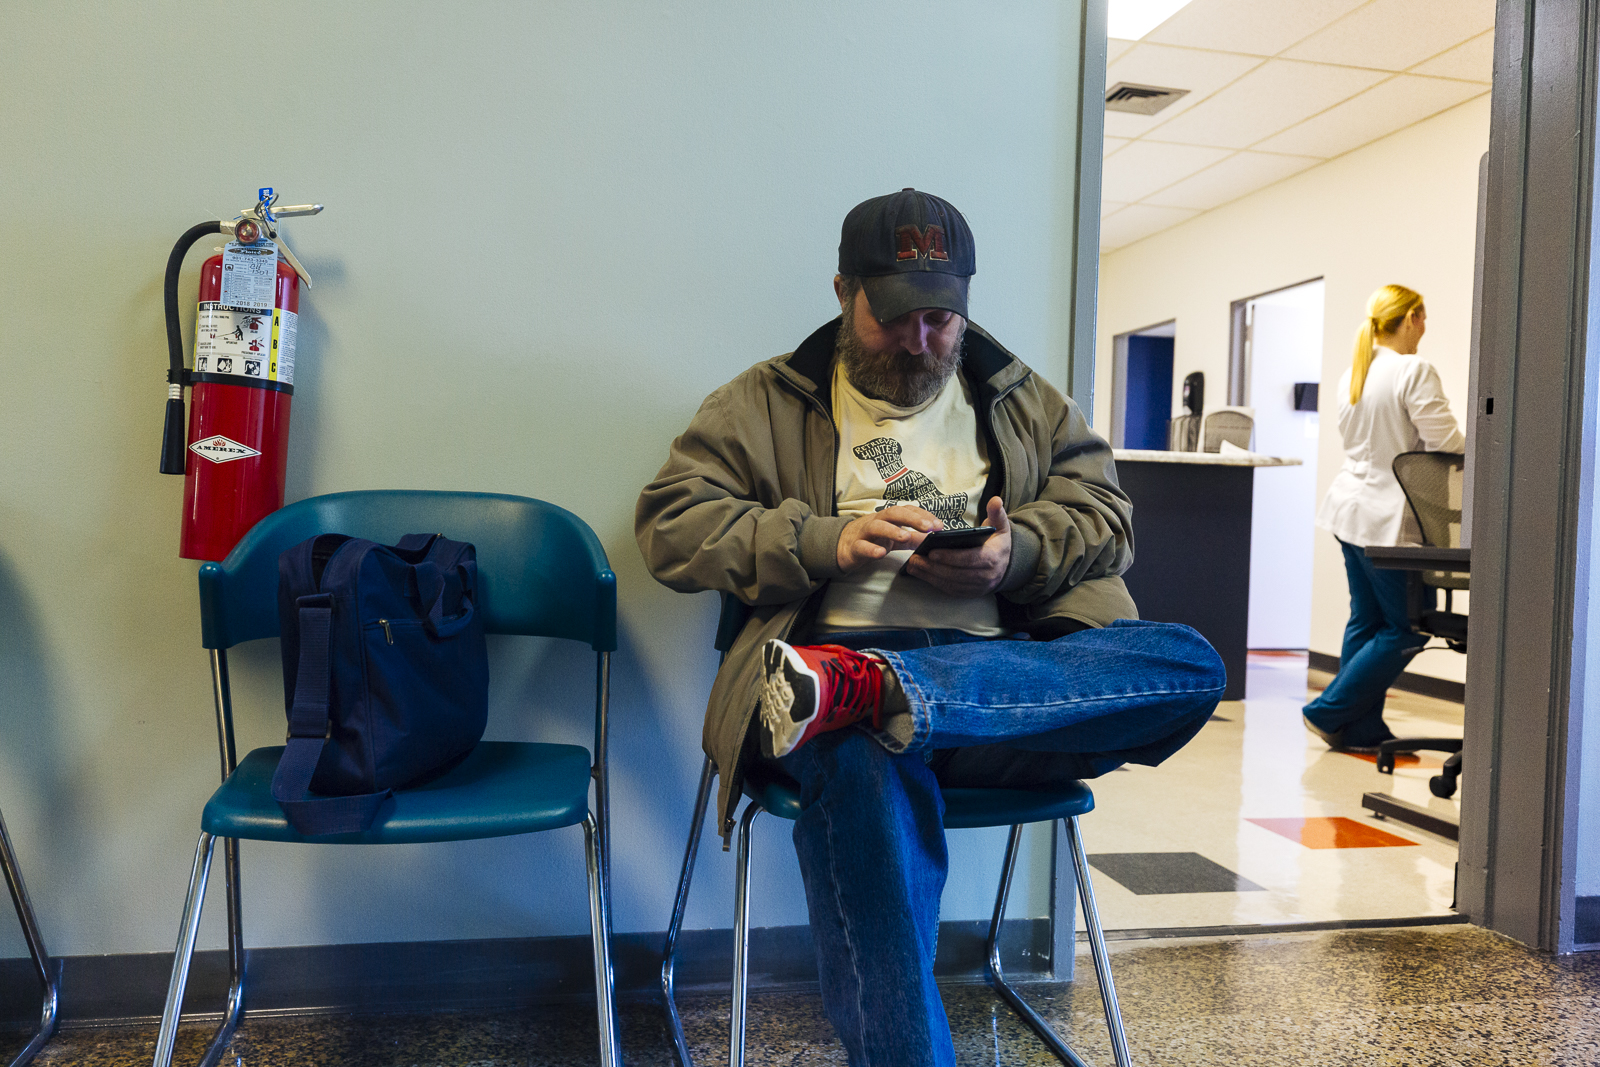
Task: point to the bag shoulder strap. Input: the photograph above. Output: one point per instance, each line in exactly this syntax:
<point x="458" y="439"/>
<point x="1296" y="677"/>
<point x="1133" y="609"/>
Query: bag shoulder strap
<point x="309" y="728"/>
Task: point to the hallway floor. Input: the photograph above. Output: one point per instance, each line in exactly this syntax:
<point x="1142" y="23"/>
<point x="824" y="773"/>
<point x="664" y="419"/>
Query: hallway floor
<point x="1255" y="821"/>
<point x="1420" y="997"/>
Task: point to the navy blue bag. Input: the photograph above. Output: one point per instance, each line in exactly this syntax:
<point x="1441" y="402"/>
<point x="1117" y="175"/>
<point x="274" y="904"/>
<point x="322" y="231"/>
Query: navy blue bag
<point x="385" y="673"/>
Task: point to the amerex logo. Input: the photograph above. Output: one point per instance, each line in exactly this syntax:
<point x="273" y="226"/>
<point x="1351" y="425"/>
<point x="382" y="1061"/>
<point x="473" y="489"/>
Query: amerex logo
<point x="220" y="449"/>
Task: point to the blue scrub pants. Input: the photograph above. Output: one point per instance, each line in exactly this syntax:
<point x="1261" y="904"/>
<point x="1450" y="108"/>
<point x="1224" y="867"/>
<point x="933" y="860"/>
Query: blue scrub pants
<point x="1378" y="643"/>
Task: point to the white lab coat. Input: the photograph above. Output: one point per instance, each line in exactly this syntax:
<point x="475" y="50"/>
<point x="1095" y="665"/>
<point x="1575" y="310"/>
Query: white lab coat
<point x="1402" y="409"/>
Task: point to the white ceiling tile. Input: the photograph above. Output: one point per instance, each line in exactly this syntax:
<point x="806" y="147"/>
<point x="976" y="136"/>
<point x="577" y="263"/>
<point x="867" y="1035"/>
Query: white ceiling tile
<point x="1260" y="27"/>
<point x="1115" y="46"/>
<point x="1396" y="34"/>
<point x="1107" y="207"/>
<point x="1232" y="178"/>
<point x="1114" y="143"/>
<point x="1122" y="124"/>
<point x="1200" y="72"/>
<point x="1395" y="104"/>
<point x="1143" y="167"/>
<point x="1273" y="97"/>
<point x="1473" y="60"/>
<point x="1138" y="221"/>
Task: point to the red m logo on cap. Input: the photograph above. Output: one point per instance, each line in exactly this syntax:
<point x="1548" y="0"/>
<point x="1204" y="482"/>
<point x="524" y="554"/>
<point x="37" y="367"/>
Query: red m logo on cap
<point x="911" y="242"/>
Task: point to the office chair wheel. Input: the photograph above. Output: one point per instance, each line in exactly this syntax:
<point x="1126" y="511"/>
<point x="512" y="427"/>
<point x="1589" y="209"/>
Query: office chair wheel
<point x="1443" y="787"/>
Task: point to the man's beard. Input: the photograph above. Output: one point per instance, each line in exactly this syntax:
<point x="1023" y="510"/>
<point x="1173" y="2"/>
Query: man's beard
<point x="898" y="377"/>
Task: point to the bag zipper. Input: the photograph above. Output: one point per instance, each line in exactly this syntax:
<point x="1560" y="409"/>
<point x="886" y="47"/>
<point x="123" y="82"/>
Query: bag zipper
<point x="386" y="631"/>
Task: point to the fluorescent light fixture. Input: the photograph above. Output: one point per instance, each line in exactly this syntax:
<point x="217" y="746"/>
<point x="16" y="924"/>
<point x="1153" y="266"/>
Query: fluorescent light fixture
<point x="1132" y="19"/>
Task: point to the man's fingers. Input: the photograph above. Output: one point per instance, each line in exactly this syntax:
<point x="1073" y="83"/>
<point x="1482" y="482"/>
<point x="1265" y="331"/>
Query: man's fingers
<point x="997" y="515"/>
<point x="910" y="515"/>
<point x="888" y="533"/>
<point x="864" y="551"/>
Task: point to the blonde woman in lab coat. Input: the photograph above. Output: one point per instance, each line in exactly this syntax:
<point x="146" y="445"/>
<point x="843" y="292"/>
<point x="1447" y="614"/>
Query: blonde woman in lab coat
<point x="1390" y="401"/>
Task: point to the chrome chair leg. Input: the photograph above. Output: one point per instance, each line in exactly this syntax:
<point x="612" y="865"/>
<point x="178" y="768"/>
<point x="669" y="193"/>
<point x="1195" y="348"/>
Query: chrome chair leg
<point x="680" y="904"/>
<point x="600" y="932"/>
<point x="996" y="975"/>
<point x="741" y="938"/>
<point x="188" y="930"/>
<point x="1097" y="946"/>
<point x="42" y="965"/>
<point x="234" y="1012"/>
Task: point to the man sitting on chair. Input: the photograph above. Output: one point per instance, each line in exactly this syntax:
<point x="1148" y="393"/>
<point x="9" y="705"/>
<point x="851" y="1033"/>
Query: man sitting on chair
<point x="802" y="487"/>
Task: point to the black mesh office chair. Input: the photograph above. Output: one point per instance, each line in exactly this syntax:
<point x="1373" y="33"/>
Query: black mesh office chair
<point x="1433" y="483"/>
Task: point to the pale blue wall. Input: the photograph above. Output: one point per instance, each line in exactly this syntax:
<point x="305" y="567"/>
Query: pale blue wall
<point x="551" y="229"/>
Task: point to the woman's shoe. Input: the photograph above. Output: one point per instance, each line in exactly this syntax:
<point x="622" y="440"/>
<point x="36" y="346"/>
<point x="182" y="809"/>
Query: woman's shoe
<point x="1336" y="741"/>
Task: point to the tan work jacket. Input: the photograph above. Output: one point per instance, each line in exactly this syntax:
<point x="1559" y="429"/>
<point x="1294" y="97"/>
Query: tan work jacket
<point x="745" y="506"/>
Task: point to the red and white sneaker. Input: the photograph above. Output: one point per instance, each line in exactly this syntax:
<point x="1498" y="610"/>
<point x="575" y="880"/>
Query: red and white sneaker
<point x="808" y="690"/>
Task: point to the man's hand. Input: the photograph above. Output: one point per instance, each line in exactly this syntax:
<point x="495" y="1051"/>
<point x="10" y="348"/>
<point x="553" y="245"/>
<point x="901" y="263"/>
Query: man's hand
<point x="875" y="536"/>
<point x="969" y="572"/>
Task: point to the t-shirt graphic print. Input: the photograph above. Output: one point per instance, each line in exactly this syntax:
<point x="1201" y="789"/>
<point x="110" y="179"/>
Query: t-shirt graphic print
<point x="930" y="455"/>
<point x="903" y="485"/>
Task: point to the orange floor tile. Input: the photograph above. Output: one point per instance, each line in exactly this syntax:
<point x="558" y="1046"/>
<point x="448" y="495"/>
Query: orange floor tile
<point x="1335" y="832"/>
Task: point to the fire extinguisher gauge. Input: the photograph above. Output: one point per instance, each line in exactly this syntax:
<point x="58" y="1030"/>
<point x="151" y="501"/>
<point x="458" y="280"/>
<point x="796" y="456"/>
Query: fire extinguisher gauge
<point x="247" y="231"/>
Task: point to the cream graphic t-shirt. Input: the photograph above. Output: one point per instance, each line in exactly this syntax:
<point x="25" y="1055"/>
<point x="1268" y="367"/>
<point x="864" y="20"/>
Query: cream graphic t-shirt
<point x="932" y="456"/>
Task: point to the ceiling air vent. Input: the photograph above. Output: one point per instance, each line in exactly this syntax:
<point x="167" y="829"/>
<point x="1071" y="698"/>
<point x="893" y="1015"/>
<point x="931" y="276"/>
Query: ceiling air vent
<point x="1140" y="99"/>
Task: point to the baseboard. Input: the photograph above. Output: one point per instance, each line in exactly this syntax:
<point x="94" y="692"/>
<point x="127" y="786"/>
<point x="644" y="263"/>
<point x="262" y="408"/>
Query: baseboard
<point x="1421" y="684"/>
<point x="467" y="975"/>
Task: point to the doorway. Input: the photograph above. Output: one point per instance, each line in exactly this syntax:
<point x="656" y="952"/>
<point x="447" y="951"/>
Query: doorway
<point x="1275" y="368"/>
<point x="1141" y="404"/>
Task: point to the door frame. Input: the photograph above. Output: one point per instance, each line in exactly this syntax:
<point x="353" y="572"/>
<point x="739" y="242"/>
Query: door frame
<point x="1239" y="342"/>
<point x="1533" y="459"/>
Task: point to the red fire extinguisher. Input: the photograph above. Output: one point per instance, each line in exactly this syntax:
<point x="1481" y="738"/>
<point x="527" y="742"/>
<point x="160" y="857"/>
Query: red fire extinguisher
<point x="242" y="379"/>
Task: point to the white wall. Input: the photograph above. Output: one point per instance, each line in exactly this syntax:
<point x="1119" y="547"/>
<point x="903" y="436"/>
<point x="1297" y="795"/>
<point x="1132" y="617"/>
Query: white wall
<point x="551" y="229"/>
<point x="1399" y="210"/>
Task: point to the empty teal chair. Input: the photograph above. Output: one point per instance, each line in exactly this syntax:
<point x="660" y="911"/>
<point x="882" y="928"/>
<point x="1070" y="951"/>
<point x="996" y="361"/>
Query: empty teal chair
<point x="542" y="573"/>
<point x="768" y="789"/>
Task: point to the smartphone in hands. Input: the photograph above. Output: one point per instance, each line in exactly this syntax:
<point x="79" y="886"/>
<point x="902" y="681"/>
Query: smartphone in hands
<point x="954" y="539"/>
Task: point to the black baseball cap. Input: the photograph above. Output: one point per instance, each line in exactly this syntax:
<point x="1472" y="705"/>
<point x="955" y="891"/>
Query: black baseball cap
<point x="911" y="250"/>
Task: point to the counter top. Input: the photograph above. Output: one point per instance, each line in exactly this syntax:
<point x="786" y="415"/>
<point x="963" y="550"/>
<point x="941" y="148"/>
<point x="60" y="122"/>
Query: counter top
<point x="1215" y="459"/>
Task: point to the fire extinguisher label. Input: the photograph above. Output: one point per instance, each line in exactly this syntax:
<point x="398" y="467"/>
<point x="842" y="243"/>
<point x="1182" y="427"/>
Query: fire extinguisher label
<point x="250" y="275"/>
<point x="244" y="342"/>
<point x="220" y="449"/>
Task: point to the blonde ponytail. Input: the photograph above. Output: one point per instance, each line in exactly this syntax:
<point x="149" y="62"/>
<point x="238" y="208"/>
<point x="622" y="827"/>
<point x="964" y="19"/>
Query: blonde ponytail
<point x="1386" y="310"/>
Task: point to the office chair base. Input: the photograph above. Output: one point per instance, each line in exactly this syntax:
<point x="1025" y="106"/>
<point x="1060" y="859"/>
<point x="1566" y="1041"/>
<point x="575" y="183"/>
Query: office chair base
<point x="1385" y="806"/>
<point x="1412" y="745"/>
<point x="1443" y="784"/>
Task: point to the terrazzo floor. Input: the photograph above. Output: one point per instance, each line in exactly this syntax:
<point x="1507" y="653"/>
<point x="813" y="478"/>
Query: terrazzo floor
<point x="1419" y="997"/>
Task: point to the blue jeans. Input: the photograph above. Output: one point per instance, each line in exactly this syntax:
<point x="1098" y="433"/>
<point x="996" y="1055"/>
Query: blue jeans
<point x="1003" y="713"/>
<point x="1378" y="643"/>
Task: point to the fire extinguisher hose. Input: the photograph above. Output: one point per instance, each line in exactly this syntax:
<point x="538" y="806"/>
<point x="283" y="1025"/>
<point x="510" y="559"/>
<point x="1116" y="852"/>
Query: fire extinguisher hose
<point x="174" y="448"/>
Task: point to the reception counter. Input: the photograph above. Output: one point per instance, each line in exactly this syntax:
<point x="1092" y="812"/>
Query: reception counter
<point x="1191" y="530"/>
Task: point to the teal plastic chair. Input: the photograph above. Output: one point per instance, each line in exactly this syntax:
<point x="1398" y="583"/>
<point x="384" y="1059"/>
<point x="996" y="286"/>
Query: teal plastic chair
<point x="769" y="790"/>
<point x="542" y="573"/>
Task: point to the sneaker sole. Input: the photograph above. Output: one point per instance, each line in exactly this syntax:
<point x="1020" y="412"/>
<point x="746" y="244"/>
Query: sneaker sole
<point x="788" y="688"/>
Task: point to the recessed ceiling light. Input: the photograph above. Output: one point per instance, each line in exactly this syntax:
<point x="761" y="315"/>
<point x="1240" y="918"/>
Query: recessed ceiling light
<point x="1132" y="19"/>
